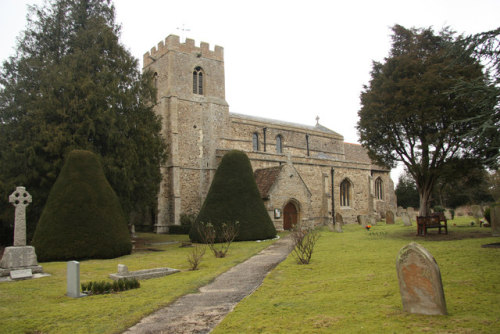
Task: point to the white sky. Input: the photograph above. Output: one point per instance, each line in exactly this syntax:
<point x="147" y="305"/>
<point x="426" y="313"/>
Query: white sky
<point x="288" y="60"/>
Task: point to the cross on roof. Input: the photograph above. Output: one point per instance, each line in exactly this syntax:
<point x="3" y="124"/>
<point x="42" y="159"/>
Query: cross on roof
<point x="317" y="120"/>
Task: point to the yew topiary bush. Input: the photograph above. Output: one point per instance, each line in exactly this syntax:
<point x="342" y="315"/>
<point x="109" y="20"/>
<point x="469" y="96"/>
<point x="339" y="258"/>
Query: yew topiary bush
<point x="234" y="197"/>
<point x="82" y="218"/>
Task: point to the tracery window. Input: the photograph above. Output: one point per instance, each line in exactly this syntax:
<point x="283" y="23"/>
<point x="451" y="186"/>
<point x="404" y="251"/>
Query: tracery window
<point x="198" y="81"/>
<point x="255" y="141"/>
<point x="279" y="144"/>
<point x="345" y="193"/>
<point x="379" y="186"/>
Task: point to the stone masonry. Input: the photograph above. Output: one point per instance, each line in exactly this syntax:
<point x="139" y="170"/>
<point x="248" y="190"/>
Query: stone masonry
<point x="199" y="130"/>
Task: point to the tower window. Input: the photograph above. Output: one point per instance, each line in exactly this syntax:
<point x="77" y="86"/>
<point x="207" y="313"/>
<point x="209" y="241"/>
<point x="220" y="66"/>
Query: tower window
<point x="198" y="81"/>
<point x="255" y="141"/>
<point x="345" y="193"/>
<point x="279" y="144"/>
<point x="379" y="186"/>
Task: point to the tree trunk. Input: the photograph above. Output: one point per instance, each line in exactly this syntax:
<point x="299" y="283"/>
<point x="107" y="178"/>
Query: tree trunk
<point x="424" y="194"/>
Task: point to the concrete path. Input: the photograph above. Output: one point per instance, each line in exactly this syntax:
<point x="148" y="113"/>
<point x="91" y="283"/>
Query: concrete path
<point x="201" y="312"/>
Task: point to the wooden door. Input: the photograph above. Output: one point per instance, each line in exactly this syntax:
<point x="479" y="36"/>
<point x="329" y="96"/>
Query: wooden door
<point x="289" y="216"/>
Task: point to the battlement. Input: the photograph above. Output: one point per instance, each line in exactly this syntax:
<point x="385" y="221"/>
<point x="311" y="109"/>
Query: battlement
<point x="172" y="43"/>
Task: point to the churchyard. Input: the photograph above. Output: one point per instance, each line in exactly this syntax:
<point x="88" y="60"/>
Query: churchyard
<point x="350" y="286"/>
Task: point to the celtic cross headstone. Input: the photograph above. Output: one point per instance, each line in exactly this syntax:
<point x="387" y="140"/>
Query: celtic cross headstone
<point x="20" y="199"/>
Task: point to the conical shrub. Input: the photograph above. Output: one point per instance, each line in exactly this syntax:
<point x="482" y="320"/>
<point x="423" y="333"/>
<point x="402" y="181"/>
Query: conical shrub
<point x="234" y="197"/>
<point x="82" y="218"/>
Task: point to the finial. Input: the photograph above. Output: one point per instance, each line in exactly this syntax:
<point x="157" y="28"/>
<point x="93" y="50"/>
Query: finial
<point x="317" y="120"/>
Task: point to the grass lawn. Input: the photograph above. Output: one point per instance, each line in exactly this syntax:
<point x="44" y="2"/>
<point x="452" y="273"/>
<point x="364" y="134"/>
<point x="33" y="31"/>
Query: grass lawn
<point x="40" y="305"/>
<point x="351" y="285"/>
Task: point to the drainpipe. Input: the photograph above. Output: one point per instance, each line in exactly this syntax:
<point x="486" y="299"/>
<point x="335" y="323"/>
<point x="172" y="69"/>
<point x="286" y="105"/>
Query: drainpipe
<point x="333" y="195"/>
<point x="264" y="132"/>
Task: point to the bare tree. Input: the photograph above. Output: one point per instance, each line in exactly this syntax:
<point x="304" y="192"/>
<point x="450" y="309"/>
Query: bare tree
<point x="220" y="240"/>
<point x="194" y="258"/>
<point x="304" y="239"/>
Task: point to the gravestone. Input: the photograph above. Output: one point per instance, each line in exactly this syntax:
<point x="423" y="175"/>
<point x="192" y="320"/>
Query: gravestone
<point x="19" y="256"/>
<point x="399" y="211"/>
<point x="389" y="217"/>
<point x="412" y="213"/>
<point x="73" y="280"/>
<point x="447" y="215"/>
<point x="477" y="212"/>
<point x="420" y="282"/>
<point x="372" y="219"/>
<point x="339" y="219"/>
<point x="338" y="227"/>
<point x="363" y="220"/>
<point x="495" y="220"/>
<point x="406" y="219"/>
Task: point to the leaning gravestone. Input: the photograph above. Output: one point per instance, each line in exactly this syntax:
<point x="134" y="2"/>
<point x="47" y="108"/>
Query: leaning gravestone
<point x="420" y="282"/>
<point x="363" y="220"/>
<point x="406" y="219"/>
<point x="495" y="220"/>
<point x="19" y="261"/>
<point x="399" y="211"/>
<point x="373" y="219"/>
<point x="389" y="217"/>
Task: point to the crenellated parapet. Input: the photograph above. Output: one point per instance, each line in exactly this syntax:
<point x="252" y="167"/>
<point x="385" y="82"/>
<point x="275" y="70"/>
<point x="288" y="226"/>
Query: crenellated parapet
<point x="172" y="43"/>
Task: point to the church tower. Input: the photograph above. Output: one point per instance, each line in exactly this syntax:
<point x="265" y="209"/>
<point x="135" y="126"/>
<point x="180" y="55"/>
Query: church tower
<point x="192" y="105"/>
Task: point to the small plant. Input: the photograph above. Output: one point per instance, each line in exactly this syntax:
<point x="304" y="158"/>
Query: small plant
<point x="438" y="208"/>
<point x="220" y="240"/>
<point x="487" y="214"/>
<point x="103" y="287"/>
<point x="304" y="240"/>
<point x="194" y="258"/>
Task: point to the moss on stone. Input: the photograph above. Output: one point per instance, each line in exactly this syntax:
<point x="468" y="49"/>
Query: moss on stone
<point x="234" y="197"/>
<point x="82" y="218"/>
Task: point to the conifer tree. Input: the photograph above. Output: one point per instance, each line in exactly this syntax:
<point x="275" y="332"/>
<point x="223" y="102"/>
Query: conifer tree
<point x="411" y="114"/>
<point x="234" y="197"/>
<point x="72" y="85"/>
<point x="83" y="218"/>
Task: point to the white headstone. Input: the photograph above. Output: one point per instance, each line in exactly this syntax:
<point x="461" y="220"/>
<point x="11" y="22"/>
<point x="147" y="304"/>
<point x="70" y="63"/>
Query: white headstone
<point x="73" y="280"/>
<point x="122" y="269"/>
<point x="20" y="199"/>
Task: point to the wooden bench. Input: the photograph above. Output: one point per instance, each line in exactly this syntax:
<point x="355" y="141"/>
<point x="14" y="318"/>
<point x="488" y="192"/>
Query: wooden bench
<point x="436" y="220"/>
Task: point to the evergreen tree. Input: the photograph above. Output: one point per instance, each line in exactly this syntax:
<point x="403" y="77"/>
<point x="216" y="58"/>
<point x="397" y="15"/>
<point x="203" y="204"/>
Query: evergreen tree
<point x="406" y="191"/>
<point x="234" y="197"/>
<point x="72" y="85"/>
<point x="82" y="218"/>
<point x="411" y="114"/>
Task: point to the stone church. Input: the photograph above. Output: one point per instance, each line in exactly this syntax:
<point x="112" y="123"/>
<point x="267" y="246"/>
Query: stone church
<point x="305" y="174"/>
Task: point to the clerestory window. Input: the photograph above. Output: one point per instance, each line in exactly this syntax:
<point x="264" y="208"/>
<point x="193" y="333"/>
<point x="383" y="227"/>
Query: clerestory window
<point x="198" y="81"/>
<point x="255" y="141"/>
<point x="279" y="144"/>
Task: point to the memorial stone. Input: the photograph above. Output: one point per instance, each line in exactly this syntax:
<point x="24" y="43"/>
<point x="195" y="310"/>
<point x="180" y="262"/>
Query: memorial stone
<point x="19" y="256"/>
<point x="495" y="220"/>
<point x="73" y="280"/>
<point x="406" y="219"/>
<point x="389" y="217"/>
<point x="420" y="282"/>
<point x="339" y="219"/>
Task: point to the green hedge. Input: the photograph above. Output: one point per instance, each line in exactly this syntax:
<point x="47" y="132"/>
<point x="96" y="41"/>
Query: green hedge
<point x="82" y="218"/>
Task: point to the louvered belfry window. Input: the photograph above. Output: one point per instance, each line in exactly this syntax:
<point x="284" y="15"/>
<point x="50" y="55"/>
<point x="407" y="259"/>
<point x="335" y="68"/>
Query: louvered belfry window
<point x="198" y="81"/>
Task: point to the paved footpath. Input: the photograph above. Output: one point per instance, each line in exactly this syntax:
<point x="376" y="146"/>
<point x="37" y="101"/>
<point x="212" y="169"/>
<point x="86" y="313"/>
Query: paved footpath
<point x="201" y="312"/>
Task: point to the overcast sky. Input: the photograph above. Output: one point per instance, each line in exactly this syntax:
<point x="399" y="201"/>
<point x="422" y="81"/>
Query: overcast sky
<point x="287" y="60"/>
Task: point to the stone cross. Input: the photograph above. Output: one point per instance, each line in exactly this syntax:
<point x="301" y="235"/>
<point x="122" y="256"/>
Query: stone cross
<point x="20" y="199"/>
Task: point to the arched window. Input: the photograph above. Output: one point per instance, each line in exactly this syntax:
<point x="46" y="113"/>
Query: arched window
<point x="379" y="188"/>
<point x="255" y="141"/>
<point x="279" y="144"/>
<point x="198" y="81"/>
<point x="345" y="193"/>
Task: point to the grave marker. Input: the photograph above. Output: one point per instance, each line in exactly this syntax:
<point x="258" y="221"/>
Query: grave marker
<point x="73" y="280"/>
<point x="389" y="217"/>
<point x="20" y="198"/>
<point x="406" y="219"/>
<point x="420" y="282"/>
